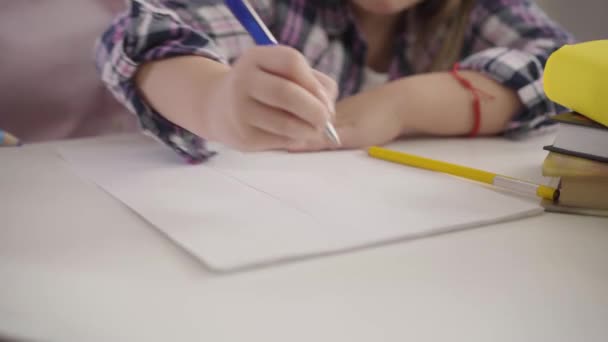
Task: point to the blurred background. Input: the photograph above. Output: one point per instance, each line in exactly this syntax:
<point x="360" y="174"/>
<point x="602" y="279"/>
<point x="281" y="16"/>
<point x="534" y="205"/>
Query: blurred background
<point x="585" y="18"/>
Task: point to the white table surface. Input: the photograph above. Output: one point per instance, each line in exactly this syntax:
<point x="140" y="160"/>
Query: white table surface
<point x="76" y="265"/>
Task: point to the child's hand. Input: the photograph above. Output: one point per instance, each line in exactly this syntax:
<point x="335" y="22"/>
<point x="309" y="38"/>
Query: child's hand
<point x="361" y="121"/>
<point x="270" y="99"/>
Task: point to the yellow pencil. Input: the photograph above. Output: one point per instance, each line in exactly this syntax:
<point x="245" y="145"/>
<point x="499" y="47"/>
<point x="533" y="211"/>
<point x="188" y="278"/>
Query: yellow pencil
<point x="513" y="184"/>
<point x="7" y="139"/>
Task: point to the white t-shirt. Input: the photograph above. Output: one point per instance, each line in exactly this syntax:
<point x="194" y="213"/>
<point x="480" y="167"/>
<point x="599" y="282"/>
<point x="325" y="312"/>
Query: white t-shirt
<point x="372" y="79"/>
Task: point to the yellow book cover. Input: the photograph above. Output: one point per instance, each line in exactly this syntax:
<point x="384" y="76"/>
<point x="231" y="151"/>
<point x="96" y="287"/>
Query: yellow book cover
<point x="576" y="76"/>
<point x="561" y="165"/>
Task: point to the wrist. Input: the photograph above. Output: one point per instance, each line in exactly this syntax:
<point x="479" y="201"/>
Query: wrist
<point x="180" y="88"/>
<point x="210" y="103"/>
<point x="402" y="103"/>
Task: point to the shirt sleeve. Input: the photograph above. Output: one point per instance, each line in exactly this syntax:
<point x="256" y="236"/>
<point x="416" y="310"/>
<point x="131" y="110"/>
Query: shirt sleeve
<point x="511" y="42"/>
<point x="157" y="29"/>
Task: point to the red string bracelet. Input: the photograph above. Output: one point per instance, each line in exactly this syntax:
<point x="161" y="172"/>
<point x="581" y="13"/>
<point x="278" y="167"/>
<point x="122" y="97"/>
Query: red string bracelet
<point x="476" y="99"/>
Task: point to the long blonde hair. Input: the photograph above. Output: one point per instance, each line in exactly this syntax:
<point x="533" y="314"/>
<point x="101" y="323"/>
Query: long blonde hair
<point x="432" y="15"/>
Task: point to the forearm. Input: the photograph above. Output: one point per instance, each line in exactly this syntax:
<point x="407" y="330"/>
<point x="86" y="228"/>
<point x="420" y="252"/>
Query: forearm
<point x="437" y="104"/>
<point x="177" y="88"/>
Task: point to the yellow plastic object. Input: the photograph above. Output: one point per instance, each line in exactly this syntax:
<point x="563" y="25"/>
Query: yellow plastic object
<point x="576" y="76"/>
<point x="542" y="191"/>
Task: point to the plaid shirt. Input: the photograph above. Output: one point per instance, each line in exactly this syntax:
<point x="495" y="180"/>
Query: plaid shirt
<point x="508" y="40"/>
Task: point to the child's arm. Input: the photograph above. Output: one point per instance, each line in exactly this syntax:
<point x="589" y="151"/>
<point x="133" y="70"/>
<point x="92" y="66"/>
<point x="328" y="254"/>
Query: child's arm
<point x="172" y="57"/>
<point x="148" y="31"/>
<point x="512" y="40"/>
<point x="427" y="104"/>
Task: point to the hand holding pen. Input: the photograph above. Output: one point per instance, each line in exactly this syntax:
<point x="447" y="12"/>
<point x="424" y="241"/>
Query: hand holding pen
<point x="271" y="97"/>
<point x="270" y="100"/>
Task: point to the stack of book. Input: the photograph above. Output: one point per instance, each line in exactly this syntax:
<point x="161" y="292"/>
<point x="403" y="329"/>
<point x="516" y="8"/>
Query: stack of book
<point x="576" y="77"/>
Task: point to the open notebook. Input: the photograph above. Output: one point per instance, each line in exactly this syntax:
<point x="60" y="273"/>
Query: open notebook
<point x="244" y="210"/>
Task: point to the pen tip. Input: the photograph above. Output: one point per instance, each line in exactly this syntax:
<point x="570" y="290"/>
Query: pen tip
<point x="333" y="135"/>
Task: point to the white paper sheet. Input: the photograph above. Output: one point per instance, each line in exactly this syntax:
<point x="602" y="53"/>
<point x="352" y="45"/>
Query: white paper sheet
<point x="244" y="210"/>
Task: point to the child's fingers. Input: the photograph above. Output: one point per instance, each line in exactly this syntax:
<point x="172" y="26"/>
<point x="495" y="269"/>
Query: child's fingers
<point x="303" y="146"/>
<point x="252" y="139"/>
<point x="280" y="123"/>
<point x="285" y="95"/>
<point x="266" y="141"/>
<point x="288" y="63"/>
<point x="314" y="144"/>
<point x="330" y="86"/>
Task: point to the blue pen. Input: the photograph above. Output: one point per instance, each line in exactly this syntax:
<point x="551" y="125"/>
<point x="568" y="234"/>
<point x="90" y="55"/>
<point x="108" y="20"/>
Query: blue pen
<point x="250" y="20"/>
